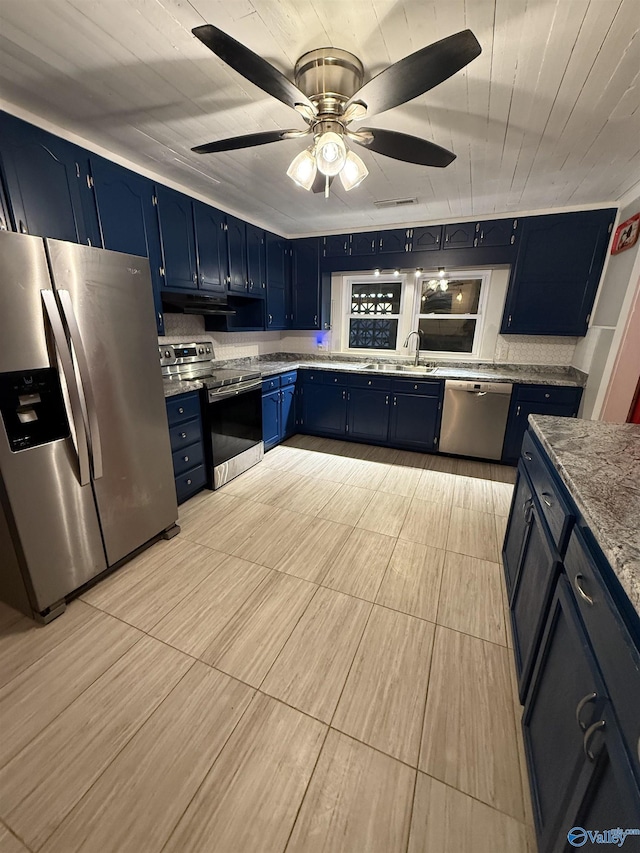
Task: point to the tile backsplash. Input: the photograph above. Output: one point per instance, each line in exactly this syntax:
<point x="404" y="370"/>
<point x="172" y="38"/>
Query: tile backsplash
<point x="530" y="349"/>
<point x="226" y="345"/>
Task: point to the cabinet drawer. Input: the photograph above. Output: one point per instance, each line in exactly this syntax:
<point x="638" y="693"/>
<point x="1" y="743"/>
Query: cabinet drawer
<point x="185" y="434"/>
<point x="288" y="378"/>
<point x="187" y="458"/>
<point x="554" y="507"/>
<point x="549" y="394"/>
<point x="409" y="386"/>
<point x="270" y="384"/>
<point x="189" y="482"/>
<point x="182" y="408"/>
<point x="379" y="383"/>
<point x="617" y="655"/>
<point x="326" y="377"/>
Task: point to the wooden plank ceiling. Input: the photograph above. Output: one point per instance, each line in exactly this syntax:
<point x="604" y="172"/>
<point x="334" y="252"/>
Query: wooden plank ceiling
<point x="548" y="116"/>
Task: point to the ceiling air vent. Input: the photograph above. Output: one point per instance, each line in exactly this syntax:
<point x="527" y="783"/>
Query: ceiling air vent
<point x="395" y="202"/>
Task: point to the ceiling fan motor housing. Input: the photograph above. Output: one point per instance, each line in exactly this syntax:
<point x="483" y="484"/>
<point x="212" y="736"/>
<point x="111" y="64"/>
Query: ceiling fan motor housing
<point x="329" y="76"/>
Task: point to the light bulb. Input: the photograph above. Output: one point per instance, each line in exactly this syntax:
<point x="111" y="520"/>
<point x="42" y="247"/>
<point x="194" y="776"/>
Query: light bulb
<point x="376" y="272"/>
<point x="331" y="153"/>
<point x="353" y="172"/>
<point x="396" y="272"/>
<point x="418" y="273"/>
<point x="441" y="271"/>
<point x="444" y="284"/>
<point x="303" y="170"/>
<point x="459" y="297"/>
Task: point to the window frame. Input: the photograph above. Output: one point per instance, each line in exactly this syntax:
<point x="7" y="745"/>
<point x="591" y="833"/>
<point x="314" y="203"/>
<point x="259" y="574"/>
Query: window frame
<point x="479" y="317"/>
<point x="401" y="317"/>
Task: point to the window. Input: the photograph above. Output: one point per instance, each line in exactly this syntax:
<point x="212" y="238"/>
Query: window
<point x="448" y="313"/>
<point x="374" y="309"/>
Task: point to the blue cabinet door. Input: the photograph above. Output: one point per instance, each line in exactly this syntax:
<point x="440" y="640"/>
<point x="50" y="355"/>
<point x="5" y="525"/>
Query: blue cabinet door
<point x="277" y="308"/>
<point x="175" y="215"/>
<point x="42" y="175"/>
<point x="554" y="280"/>
<point x="256" y="272"/>
<point x="368" y="414"/>
<point x="5" y="221"/>
<point x="324" y="409"/>
<point x="517" y="533"/>
<point x="459" y="235"/>
<point x="337" y="245"/>
<point x="518" y="420"/>
<point x="278" y="282"/>
<point x="271" y="419"/>
<point x="414" y="421"/>
<point x="498" y="232"/>
<point x="305" y="283"/>
<point x="287" y="411"/>
<point x="557" y="713"/>
<point x="396" y="240"/>
<point x="237" y="248"/>
<point x="127" y="218"/>
<point x="364" y="244"/>
<point x="427" y="239"/>
<point x="211" y="244"/>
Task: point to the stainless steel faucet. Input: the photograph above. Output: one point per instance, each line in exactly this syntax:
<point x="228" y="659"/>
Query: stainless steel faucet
<point x="418" y="333"/>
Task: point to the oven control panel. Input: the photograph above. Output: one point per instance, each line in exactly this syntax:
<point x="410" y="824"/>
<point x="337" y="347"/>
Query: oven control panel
<point x="194" y="352"/>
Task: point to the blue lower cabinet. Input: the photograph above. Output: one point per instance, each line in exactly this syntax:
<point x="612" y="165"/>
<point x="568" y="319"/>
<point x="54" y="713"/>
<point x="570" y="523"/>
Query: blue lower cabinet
<point x="324" y="409"/>
<point x="517" y="533"/>
<point x="185" y="433"/>
<point x="271" y="419"/>
<point x="278" y="408"/>
<point x="535" y="400"/>
<point x="414" y="421"/>
<point x="368" y="414"/>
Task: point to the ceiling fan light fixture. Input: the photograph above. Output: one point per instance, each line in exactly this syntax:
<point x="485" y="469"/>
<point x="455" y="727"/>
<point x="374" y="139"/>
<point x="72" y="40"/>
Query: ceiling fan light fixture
<point x="303" y="169"/>
<point x="331" y="153"/>
<point x="353" y="172"/>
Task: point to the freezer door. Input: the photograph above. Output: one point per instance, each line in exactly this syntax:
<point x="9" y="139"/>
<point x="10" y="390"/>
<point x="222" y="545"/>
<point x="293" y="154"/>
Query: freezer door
<point x="110" y="301"/>
<point x="55" y="537"/>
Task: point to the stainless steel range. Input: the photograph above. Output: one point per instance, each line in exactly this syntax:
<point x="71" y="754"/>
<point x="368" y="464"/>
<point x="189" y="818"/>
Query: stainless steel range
<point x="231" y="408"/>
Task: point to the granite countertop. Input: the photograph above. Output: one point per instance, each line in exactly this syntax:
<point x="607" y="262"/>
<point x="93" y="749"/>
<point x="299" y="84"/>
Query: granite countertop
<point x="284" y="362"/>
<point x="599" y="463"/>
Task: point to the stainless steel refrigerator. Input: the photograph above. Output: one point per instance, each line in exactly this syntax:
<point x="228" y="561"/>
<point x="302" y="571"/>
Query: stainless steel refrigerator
<point x="86" y="475"/>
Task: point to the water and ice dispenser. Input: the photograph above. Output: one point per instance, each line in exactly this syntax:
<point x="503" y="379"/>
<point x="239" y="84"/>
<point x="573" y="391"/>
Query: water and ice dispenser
<point x="32" y="408"/>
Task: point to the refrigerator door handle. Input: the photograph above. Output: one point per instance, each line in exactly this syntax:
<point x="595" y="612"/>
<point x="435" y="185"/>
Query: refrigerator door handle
<point x="64" y="354"/>
<point x="85" y="379"/>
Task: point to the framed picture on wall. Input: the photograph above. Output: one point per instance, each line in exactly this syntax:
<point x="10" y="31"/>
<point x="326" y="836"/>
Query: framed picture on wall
<point x="626" y="234"/>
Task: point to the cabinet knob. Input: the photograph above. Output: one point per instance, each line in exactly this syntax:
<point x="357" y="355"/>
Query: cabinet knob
<point x="188" y="482"/>
<point x="386" y="399"/>
<point x="369" y="382"/>
<point x="526" y="453"/>
<point x="315" y="319"/>
<point x="270" y="319"/>
<point x="183" y="435"/>
<point x="185" y="458"/>
<point x="181" y="411"/>
<point x="547" y="396"/>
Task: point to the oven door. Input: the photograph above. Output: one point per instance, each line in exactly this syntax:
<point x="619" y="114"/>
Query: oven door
<point x="233" y="421"/>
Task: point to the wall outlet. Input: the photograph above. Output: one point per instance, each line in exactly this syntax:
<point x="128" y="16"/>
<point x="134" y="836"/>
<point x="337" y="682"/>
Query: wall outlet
<point x="322" y="345"/>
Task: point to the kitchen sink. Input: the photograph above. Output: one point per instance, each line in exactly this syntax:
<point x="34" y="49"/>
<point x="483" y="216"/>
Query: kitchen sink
<point x="400" y="368"/>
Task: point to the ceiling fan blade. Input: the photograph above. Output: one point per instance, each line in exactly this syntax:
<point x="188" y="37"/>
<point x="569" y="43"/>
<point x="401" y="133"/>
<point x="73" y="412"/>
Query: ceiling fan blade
<point x="418" y="72"/>
<point x="401" y="146"/>
<point x="318" y="186"/>
<point x="251" y="66"/>
<point x="248" y="141"/>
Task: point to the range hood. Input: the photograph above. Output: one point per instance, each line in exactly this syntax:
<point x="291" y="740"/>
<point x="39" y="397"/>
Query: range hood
<point x="174" y="301"/>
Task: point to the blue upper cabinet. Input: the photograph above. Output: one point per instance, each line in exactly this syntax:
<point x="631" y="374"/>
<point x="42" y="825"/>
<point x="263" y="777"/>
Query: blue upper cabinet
<point x="43" y="179"/>
<point x="278" y="259"/>
<point x="237" y="248"/>
<point x="459" y="235"/>
<point x="337" y="245"/>
<point x="256" y="272"/>
<point x="305" y="283"/>
<point x="556" y="274"/>
<point x="364" y="244"/>
<point x="394" y="241"/>
<point x="127" y="218"/>
<point x="175" y="215"/>
<point x="211" y="242"/>
<point x="498" y="232"/>
<point x="426" y="239"/>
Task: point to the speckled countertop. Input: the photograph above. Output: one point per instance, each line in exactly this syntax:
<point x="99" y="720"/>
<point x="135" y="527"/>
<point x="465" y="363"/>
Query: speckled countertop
<point x="600" y="463"/>
<point x="282" y="363"/>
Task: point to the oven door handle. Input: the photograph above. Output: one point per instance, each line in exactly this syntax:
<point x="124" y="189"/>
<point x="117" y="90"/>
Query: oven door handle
<point x="233" y="390"/>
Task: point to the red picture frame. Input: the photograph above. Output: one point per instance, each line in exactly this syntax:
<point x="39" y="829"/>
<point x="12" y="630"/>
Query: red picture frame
<point x="626" y="234"/>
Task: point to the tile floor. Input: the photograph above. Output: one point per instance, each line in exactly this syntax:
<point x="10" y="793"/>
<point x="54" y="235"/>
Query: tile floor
<point x="319" y="662"/>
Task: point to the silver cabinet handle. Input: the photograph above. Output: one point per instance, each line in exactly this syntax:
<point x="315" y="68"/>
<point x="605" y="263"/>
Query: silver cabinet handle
<point x="386" y="399"/>
<point x="183" y="435"/>
<point x="85" y="381"/>
<point x="526" y="506"/>
<point x="73" y="386"/>
<point x="545" y="499"/>
<point x="22" y="227"/>
<point x="600" y="724"/>
<point x="315" y="319"/>
<point x="518" y="412"/>
<point x="585" y="699"/>
<point x="528" y="456"/>
<point x="185" y="458"/>
<point x="369" y="382"/>
<point x="576" y="582"/>
<point x="189" y="482"/>
<point x="270" y="319"/>
<point x="181" y="411"/>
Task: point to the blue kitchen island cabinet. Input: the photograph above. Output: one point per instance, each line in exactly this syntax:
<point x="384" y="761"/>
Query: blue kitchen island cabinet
<point x="555" y="277"/>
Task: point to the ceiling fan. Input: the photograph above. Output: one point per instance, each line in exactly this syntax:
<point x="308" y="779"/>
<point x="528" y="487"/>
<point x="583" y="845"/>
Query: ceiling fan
<point x="329" y="94"/>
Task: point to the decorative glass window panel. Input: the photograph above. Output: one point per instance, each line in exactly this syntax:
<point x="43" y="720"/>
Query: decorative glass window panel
<point x="374" y="309"/>
<point x="448" y="313"/>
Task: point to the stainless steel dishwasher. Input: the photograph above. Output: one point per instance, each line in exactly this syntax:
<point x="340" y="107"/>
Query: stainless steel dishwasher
<point x="474" y="418"/>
